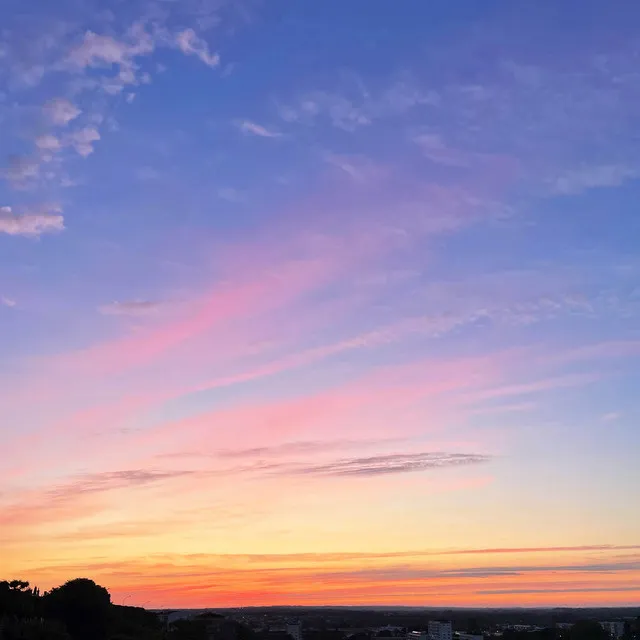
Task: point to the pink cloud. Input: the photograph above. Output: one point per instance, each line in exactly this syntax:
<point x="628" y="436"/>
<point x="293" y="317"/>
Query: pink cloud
<point x="366" y="406"/>
<point x="362" y="408"/>
<point x="257" y="284"/>
<point x="528" y="388"/>
<point x="253" y="283"/>
<point x="601" y="350"/>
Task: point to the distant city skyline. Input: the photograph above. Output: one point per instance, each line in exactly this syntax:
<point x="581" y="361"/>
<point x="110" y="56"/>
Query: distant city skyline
<point x="321" y="303"/>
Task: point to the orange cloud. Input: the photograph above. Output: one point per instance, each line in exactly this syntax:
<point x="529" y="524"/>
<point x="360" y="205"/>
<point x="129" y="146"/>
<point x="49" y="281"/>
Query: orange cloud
<point x="209" y="580"/>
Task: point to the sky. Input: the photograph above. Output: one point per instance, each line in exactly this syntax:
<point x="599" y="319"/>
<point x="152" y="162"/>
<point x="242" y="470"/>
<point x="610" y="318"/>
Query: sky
<point x="327" y="302"/>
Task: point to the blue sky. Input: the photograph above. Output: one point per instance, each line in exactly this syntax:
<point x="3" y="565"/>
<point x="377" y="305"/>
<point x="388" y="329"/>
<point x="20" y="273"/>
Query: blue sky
<point x="366" y="249"/>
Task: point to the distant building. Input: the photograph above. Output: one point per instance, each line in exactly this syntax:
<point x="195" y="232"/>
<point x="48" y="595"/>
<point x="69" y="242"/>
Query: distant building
<point x="163" y="616"/>
<point x="294" y="629"/>
<point x="182" y="614"/>
<point x="394" y="630"/>
<point x="614" y="629"/>
<point x="470" y="636"/>
<point x="350" y="632"/>
<point x="438" y="630"/>
<point x="417" y="635"/>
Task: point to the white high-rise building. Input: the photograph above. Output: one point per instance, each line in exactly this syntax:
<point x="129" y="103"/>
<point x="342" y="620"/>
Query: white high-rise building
<point x="614" y="629"/>
<point x="440" y="630"/>
<point x="294" y="629"/>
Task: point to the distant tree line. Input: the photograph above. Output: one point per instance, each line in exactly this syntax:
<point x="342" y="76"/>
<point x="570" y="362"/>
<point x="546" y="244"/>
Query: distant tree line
<point x="581" y="630"/>
<point x="82" y="610"/>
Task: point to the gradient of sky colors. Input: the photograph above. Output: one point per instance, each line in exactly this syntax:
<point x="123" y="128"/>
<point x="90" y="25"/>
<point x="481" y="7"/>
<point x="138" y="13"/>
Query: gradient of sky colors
<point x="321" y="302"/>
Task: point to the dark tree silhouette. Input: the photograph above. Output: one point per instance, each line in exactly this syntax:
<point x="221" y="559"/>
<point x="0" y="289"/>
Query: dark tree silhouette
<point x="188" y="630"/>
<point x="83" y="606"/>
<point x="128" y="623"/>
<point x="473" y="626"/>
<point x="77" y="610"/>
<point x="17" y="599"/>
<point x="588" y="630"/>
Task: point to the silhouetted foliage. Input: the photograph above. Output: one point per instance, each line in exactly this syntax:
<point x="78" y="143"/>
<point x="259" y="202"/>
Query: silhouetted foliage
<point x="209" y="626"/>
<point x="17" y="599"/>
<point x="188" y="630"/>
<point x="542" y="634"/>
<point x="588" y="630"/>
<point x="83" y="606"/>
<point x="34" y="629"/>
<point x="128" y="623"/>
<point x="77" y="610"/>
<point x="627" y="633"/>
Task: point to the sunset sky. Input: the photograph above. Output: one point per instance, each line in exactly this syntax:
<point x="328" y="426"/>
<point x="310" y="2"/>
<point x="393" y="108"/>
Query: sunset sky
<point x="321" y="301"/>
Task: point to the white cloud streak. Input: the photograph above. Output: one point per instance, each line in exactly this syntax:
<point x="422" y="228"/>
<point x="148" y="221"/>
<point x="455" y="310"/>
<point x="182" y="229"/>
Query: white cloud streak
<point x="103" y="51"/>
<point x="580" y="180"/>
<point x="61" y="111"/>
<point x="192" y="45"/>
<point x="21" y="170"/>
<point x="435" y="149"/>
<point x="358" y="168"/>
<point x="48" y="219"/>
<point x="48" y="142"/>
<point x="82" y="140"/>
<point x="252" y="128"/>
<point x="129" y="308"/>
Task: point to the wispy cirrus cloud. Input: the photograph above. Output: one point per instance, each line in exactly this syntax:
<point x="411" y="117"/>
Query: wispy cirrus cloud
<point x="101" y="482"/>
<point x="560" y="549"/>
<point x="342" y="574"/>
<point x="359" y="168"/>
<point x="436" y="149"/>
<point x="403" y="572"/>
<point x="392" y="463"/>
<point x="253" y="128"/>
<point x="130" y="308"/>
<point x="565" y="589"/>
<point x="283" y="460"/>
<point x="606" y="350"/>
<point x="536" y="386"/>
<point x="191" y="44"/>
<point x="61" y="111"/>
<point x="418" y="557"/>
<point x="111" y="480"/>
<point x="75" y="497"/>
<point x="21" y="170"/>
<point x="301" y="447"/>
<point x="294" y="267"/>
<point x="98" y="50"/>
<point x="578" y="181"/>
<point x="354" y="105"/>
<point x="341" y="111"/>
